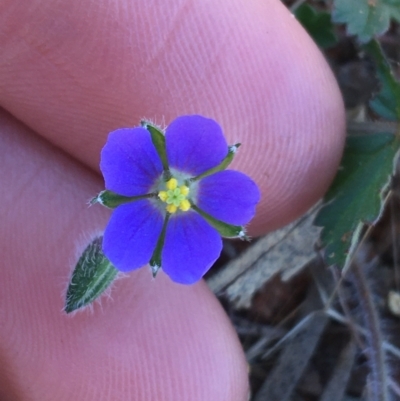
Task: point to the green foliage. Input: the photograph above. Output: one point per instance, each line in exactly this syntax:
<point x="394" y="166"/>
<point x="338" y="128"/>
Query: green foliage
<point x="93" y="274"/>
<point x="387" y="102"/>
<point x="318" y="24"/>
<point x="357" y="194"/>
<point x="366" y="18"/>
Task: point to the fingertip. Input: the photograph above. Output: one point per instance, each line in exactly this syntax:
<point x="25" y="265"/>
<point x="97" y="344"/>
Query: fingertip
<point x="150" y="339"/>
<point x="246" y="63"/>
<point x="294" y="138"/>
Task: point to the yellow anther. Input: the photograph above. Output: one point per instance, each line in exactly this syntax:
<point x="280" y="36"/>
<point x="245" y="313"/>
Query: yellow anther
<point x="175" y="197"/>
<point x="172" y="183"/>
<point x="163" y="195"/>
<point x="184" y="190"/>
<point x="171" y="208"/>
<point x="185" y="205"/>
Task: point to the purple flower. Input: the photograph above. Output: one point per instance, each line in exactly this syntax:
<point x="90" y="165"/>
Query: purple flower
<point x="173" y="197"/>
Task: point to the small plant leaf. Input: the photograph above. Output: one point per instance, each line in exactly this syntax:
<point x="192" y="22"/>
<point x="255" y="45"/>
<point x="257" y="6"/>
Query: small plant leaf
<point x="318" y="24"/>
<point x="387" y="102"/>
<point x="93" y="274"/>
<point x="357" y="194"/>
<point x="366" y="18"/>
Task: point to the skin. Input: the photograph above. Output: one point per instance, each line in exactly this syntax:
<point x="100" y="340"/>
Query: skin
<point x="70" y="72"/>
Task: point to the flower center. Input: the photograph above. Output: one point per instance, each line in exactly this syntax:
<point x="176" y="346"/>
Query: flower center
<point x="175" y="197"/>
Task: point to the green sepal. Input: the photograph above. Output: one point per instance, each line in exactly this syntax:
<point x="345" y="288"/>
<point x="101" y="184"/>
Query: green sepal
<point x="112" y="200"/>
<point x="222" y="166"/>
<point x="92" y="275"/>
<point x="155" y="261"/>
<point x="158" y="139"/>
<point x="225" y="229"/>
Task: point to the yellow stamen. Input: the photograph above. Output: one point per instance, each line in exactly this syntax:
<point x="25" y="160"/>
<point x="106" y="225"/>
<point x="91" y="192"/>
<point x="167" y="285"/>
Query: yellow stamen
<point x="172" y="183"/>
<point x="163" y="195"/>
<point x="175" y="197"/>
<point x="185" y="205"/>
<point x="171" y="208"/>
<point x="184" y="190"/>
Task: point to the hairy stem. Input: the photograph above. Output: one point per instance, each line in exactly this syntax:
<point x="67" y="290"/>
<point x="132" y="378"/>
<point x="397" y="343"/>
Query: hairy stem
<point x="378" y="378"/>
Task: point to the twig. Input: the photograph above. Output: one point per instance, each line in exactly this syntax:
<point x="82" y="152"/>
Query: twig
<point x="294" y="359"/>
<point x="373" y="336"/>
<point x="336" y="387"/>
<point x="394" y="246"/>
<point x="347" y="313"/>
<point x="346" y="268"/>
<point x="335" y="315"/>
<point x="372" y="127"/>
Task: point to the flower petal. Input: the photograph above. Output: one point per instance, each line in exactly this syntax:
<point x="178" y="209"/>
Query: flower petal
<point x="131" y="235"/>
<point x="195" y="144"/>
<point x="191" y="247"/>
<point x="129" y="162"/>
<point x="229" y="196"/>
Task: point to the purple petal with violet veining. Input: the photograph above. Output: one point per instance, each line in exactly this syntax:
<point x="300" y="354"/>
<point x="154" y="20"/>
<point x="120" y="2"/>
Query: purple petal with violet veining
<point x="195" y="144"/>
<point x="190" y="249"/>
<point x="229" y="195"/>
<point x="131" y="235"/>
<point x="129" y="162"/>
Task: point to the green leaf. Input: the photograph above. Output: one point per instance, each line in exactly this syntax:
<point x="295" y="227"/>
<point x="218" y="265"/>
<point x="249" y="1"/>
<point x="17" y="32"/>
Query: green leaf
<point x="225" y="229"/>
<point x="357" y="194"/>
<point x="366" y="18"/>
<point x="93" y="274"/>
<point x="387" y="102"/>
<point x="318" y="24"/>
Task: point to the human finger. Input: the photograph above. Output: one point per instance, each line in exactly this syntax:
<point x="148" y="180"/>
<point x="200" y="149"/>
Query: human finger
<point x="76" y="70"/>
<point x="154" y="338"/>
